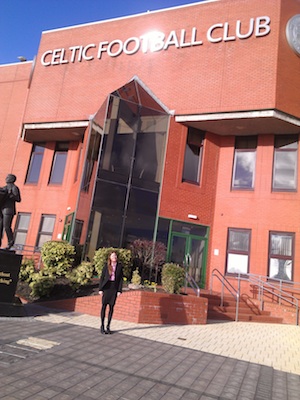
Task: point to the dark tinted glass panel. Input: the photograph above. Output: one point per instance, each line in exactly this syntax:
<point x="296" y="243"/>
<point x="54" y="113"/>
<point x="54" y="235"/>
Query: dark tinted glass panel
<point x="35" y="164"/>
<point x="141" y="214"/>
<point x="163" y="231"/>
<point x="92" y="157"/>
<point x="246" y="142"/>
<point x="118" y="146"/>
<point x="183" y="227"/>
<point x="134" y="92"/>
<point x="193" y="155"/>
<point x="109" y="200"/>
<point x="130" y="168"/>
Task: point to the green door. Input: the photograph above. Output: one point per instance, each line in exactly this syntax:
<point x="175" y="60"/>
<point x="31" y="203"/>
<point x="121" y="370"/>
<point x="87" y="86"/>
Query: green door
<point x="190" y="252"/>
<point x="68" y="227"/>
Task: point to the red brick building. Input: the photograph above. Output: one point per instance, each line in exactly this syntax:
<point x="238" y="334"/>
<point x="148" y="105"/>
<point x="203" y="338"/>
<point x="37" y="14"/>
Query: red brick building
<point x="180" y="125"/>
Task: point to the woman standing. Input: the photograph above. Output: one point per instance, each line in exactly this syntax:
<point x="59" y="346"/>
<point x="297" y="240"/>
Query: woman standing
<point x="110" y="286"/>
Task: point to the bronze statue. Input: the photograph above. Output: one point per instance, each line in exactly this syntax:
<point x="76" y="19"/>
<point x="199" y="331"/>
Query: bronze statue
<point x="9" y="195"/>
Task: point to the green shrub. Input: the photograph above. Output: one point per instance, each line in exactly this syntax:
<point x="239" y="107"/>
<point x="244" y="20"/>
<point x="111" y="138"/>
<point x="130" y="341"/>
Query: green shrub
<point x="136" y="279"/>
<point x="81" y="275"/>
<point x="41" y="285"/>
<point x="57" y="257"/>
<point x="172" y="277"/>
<point x="27" y="270"/>
<point x="124" y="256"/>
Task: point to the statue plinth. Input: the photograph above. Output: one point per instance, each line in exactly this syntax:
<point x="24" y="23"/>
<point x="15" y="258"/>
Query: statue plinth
<point x="10" y="264"/>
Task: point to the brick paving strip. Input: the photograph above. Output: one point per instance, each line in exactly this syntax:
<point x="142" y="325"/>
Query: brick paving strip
<point x="79" y="363"/>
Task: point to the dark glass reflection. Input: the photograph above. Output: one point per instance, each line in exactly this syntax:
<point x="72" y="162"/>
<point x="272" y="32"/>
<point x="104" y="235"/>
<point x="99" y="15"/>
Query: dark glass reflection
<point x="190" y="229"/>
<point x="130" y="168"/>
<point x="163" y="231"/>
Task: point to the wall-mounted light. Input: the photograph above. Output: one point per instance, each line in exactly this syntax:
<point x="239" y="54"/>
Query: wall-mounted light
<point x="192" y="216"/>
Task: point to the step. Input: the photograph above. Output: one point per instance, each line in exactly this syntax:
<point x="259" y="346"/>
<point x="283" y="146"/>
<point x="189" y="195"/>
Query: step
<point x="247" y="311"/>
<point x="242" y="310"/>
<point x="230" y="316"/>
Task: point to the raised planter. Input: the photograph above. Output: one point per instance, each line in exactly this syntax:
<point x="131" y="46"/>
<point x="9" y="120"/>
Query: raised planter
<point x="143" y="307"/>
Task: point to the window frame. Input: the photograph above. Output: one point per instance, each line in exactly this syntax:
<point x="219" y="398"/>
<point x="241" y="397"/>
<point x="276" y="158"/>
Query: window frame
<point x="34" y="158"/>
<point x="281" y="256"/>
<point x="238" y="252"/>
<point x="279" y="150"/>
<point x="191" y="142"/>
<point x="21" y="231"/>
<point x="61" y="149"/>
<point x="45" y="233"/>
<point x="240" y="148"/>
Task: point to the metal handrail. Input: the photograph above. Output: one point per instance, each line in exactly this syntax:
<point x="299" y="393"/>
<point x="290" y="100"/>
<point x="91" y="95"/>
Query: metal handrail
<point x="27" y="251"/>
<point x="193" y="284"/>
<point x="225" y="283"/>
<point x="268" y="287"/>
<point x="283" y="284"/>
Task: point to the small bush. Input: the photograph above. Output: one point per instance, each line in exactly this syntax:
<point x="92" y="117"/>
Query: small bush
<point x="57" y="257"/>
<point x="27" y="270"/>
<point x="81" y="275"/>
<point x="172" y="277"/>
<point x="124" y="257"/>
<point x="136" y="279"/>
<point x="41" y="285"/>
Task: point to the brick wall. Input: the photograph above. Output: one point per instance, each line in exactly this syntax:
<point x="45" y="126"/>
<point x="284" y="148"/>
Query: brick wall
<point x="143" y="307"/>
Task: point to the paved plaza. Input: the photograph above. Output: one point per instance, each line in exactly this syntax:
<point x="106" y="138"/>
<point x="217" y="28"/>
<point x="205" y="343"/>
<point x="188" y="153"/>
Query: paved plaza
<point x="62" y="355"/>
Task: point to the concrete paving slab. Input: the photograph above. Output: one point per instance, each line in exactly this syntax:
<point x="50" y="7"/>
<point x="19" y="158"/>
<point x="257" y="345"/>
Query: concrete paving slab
<point x="213" y="361"/>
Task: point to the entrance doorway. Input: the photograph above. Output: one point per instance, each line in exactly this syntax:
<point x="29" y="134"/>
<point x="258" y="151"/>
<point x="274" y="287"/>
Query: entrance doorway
<point x="190" y="251"/>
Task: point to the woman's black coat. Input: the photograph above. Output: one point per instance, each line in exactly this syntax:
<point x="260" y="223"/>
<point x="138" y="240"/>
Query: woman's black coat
<point x="118" y="278"/>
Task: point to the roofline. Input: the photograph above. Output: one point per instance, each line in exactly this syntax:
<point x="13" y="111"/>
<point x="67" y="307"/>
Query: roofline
<point x="16" y="63"/>
<point x="129" y="16"/>
<point x="250" y="114"/>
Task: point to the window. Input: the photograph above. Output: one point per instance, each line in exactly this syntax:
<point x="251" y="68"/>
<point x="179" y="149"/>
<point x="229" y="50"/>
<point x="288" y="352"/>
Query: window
<point x="285" y="163"/>
<point x="281" y="254"/>
<point x="46" y="229"/>
<point x="59" y="163"/>
<point x="21" y="228"/>
<point x="238" y="251"/>
<point x="35" y="163"/>
<point x="193" y="156"/>
<point x="244" y="162"/>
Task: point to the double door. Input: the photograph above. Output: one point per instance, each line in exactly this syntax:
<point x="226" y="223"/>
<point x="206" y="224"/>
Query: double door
<point x="189" y="251"/>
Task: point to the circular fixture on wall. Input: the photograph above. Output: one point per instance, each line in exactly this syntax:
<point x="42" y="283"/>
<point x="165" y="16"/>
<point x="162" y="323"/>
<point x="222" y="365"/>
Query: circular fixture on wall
<point x="293" y="33"/>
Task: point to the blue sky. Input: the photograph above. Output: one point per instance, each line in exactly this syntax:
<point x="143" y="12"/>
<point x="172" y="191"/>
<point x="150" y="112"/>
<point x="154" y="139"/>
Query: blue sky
<point x="22" y="21"/>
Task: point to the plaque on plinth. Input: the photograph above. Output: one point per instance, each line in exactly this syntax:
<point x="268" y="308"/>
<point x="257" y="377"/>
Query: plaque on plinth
<point x="10" y="264"/>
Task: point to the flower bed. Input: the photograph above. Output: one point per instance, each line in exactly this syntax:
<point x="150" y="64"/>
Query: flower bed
<point x="143" y="307"/>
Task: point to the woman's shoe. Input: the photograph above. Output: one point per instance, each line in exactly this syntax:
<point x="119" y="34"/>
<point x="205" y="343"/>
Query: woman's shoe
<point x="108" y="331"/>
<point x="103" y="331"/>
